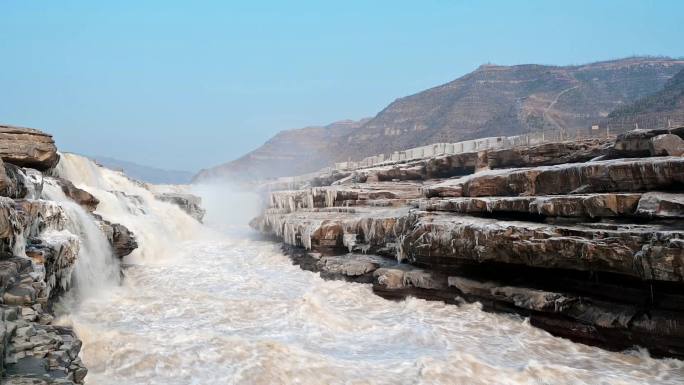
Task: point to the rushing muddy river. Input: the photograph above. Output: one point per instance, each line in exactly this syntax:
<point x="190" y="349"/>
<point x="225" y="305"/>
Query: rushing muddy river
<point x="215" y="305"/>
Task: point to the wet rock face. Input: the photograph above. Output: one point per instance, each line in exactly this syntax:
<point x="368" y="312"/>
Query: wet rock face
<point x="592" y="250"/>
<point x="37" y="259"/>
<point x="189" y="203"/>
<point x="15" y="184"/>
<point x="445" y="241"/>
<point x="38" y="352"/>
<point x="619" y="326"/>
<point x="34" y="349"/>
<point x="120" y="237"/>
<point x="26" y="147"/>
<point x="82" y="197"/>
<point x="122" y="240"/>
<point x="451" y="165"/>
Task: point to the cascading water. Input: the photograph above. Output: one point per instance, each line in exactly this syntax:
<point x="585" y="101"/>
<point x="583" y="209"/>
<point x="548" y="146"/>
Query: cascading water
<point x="208" y="306"/>
<point x="96" y="266"/>
<point x="156" y="225"/>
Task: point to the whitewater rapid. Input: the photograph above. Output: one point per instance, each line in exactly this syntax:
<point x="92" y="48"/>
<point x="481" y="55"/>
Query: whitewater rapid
<point x="216" y="305"/>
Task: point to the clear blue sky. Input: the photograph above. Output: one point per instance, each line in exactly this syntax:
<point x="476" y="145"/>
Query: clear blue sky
<point x="190" y="84"/>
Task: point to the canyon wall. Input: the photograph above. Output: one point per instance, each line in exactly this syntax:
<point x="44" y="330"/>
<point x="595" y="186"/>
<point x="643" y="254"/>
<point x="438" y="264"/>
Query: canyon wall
<point x="583" y="237"/>
<point x="58" y="240"/>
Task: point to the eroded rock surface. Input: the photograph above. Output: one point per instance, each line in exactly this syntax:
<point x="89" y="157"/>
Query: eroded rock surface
<point x="547" y="154"/>
<point x="38" y="254"/>
<point x="27" y="147"/>
<point x="189" y="203"/>
<point x="119" y="236"/>
<point x="82" y="197"/>
<point x="580" y="205"/>
<point x="620" y="175"/>
<point x="666" y="145"/>
<point x="589" y="249"/>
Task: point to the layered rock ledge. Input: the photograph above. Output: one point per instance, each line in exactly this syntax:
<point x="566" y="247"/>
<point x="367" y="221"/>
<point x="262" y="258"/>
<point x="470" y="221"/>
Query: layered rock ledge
<point x="588" y="244"/>
<point x="39" y="249"/>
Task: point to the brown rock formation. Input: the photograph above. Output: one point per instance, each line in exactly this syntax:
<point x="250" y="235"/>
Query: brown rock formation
<point x="547" y="154"/>
<point x="590" y="250"/>
<point x="582" y="205"/>
<point x="82" y="197"/>
<point x="27" y="147"/>
<point x="189" y="203"/>
<point x="666" y="145"/>
<point x="620" y="175"/>
<point x="119" y="236"/>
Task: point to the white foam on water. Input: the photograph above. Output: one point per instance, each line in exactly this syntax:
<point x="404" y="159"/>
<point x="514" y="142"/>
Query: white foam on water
<point x="157" y="225"/>
<point x="96" y="266"/>
<point x="221" y="307"/>
<point x="236" y="311"/>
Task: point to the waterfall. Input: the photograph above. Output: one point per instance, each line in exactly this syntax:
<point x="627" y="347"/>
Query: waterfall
<point x="96" y="265"/>
<point x="157" y="225"/>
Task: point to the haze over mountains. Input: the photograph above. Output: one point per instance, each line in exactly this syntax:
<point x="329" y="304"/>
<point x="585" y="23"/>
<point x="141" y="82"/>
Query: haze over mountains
<point x="145" y="173"/>
<point x="490" y="101"/>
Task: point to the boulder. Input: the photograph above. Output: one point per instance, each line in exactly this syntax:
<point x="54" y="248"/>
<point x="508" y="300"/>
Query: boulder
<point x="661" y="205"/>
<point x="82" y="197"/>
<point x="119" y="236"/>
<point x="27" y="147"/>
<point x="666" y="145"/>
<point x="189" y="203"/>
<point x="635" y="143"/>
<point x="447" y="166"/>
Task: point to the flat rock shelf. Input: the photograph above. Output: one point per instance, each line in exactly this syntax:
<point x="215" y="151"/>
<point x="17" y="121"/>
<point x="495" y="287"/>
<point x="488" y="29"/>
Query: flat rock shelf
<point x="584" y="238"/>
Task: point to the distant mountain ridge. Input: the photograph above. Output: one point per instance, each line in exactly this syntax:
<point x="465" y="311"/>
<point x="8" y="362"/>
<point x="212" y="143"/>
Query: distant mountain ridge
<point x="493" y="100"/>
<point x="145" y="173"/>
<point x="290" y="152"/>
<point x="668" y="101"/>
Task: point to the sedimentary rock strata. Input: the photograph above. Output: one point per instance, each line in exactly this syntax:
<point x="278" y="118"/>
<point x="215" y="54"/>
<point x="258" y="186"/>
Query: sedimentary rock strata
<point x="40" y="245"/>
<point x="82" y="197"/>
<point x="579" y="205"/>
<point x="119" y="236"/>
<point x="547" y="154"/>
<point x="589" y="249"/>
<point x="189" y="203"/>
<point x="666" y="145"/>
<point x="26" y="147"/>
<point x="619" y="175"/>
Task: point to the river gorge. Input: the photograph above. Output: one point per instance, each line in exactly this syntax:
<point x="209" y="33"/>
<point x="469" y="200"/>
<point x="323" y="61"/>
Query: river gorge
<point x="218" y="303"/>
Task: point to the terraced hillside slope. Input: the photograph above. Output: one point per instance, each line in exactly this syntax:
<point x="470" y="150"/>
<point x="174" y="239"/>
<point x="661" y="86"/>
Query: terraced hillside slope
<point x="666" y="103"/>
